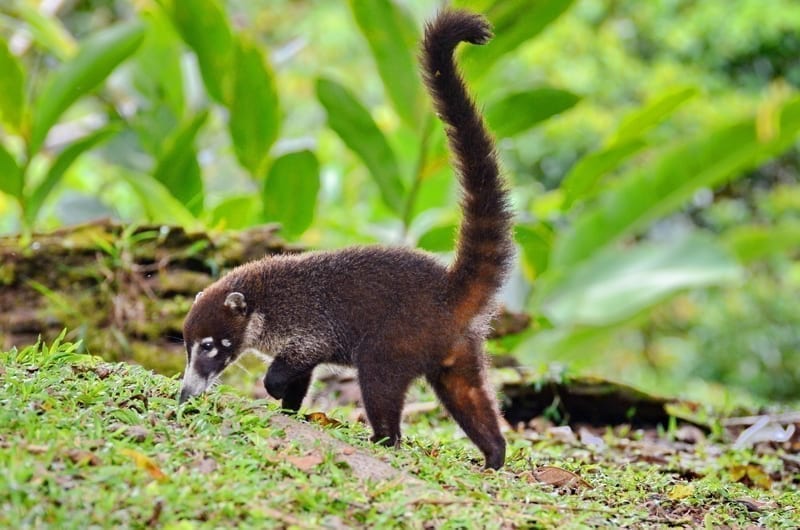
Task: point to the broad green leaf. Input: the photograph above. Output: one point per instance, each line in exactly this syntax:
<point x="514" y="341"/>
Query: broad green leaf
<point x="10" y="174"/>
<point x="354" y="125"/>
<point x="519" y="112"/>
<point x="157" y="201"/>
<point x="441" y="238"/>
<point x="204" y="27"/>
<point x="536" y="241"/>
<point x="385" y="25"/>
<point x="178" y="169"/>
<point x="240" y="211"/>
<point x="514" y="22"/>
<point x="290" y="191"/>
<point x="12" y="89"/>
<point x="615" y="285"/>
<point x="59" y="167"/>
<point x="95" y="60"/>
<point x="583" y="179"/>
<point x="47" y="31"/>
<point x="750" y="243"/>
<point x="648" y="192"/>
<point x="654" y="112"/>
<point x="157" y="71"/>
<point x="254" y="111"/>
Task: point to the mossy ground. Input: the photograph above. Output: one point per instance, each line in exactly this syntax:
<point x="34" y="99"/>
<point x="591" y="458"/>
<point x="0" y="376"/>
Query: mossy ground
<point x="88" y="444"/>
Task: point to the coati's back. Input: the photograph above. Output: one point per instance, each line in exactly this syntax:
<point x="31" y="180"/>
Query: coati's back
<point x="395" y="313"/>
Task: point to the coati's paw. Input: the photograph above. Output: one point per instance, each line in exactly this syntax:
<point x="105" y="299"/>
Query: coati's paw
<point x="388" y="441"/>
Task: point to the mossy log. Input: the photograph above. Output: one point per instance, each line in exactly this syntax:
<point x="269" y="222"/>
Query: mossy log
<point x="123" y="291"/>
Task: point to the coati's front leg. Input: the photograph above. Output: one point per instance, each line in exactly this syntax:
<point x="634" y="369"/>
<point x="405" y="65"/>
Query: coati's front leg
<point x="288" y="383"/>
<point x="383" y="394"/>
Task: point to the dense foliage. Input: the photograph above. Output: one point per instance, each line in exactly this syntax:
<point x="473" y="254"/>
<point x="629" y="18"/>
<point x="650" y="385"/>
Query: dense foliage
<point x="652" y="147"/>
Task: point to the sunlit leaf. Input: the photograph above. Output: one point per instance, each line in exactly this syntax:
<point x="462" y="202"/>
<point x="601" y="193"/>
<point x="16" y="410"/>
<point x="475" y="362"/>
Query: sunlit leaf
<point x="584" y="178"/>
<point x="616" y="285"/>
<point x="12" y="89"/>
<point x="236" y="212"/>
<point x="519" y="112"/>
<point x="656" y="189"/>
<point x="652" y="113"/>
<point x="536" y="241"/>
<point x="204" y="27"/>
<point x="157" y="201"/>
<point x="514" y="22"/>
<point x="157" y="71"/>
<point x="255" y="115"/>
<point x="178" y="169"/>
<point x="354" y="125"/>
<point x="145" y="463"/>
<point x="10" y="174"/>
<point x="290" y="191"/>
<point x="680" y="491"/>
<point x="440" y="238"/>
<point x="384" y="24"/>
<point x="47" y="31"/>
<point x="59" y="167"/>
<point x="97" y="57"/>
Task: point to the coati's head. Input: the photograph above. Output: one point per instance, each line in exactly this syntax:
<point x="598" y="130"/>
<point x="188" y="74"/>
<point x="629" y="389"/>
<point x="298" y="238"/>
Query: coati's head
<point x="214" y="333"/>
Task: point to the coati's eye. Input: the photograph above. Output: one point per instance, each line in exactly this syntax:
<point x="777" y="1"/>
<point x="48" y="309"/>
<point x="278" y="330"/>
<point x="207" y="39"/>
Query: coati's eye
<point x="207" y="345"/>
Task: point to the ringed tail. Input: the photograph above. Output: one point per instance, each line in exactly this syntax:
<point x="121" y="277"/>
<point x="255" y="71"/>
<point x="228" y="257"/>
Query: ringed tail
<point x="485" y="249"/>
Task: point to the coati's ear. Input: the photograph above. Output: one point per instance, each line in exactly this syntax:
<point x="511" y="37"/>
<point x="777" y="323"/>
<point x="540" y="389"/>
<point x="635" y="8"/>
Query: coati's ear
<point x="198" y="295"/>
<point x="235" y="301"/>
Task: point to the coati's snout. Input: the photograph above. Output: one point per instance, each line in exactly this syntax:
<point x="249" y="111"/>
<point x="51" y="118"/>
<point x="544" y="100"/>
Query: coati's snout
<point x="211" y="338"/>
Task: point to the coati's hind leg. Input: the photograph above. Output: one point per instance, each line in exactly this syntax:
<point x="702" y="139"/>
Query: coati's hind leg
<point x="287" y="383"/>
<point x="460" y="383"/>
<point x="383" y="394"/>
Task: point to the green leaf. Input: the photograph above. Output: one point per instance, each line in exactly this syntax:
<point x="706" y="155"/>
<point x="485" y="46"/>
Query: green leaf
<point x="178" y="169"/>
<point x="750" y="243"/>
<point x="392" y="37"/>
<point x="157" y="201"/>
<point x="47" y="31"/>
<point x="521" y="111"/>
<point x="514" y="22"/>
<point x="651" y="191"/>
<point x="290" y="191"/>
<point x="536" y="241"/>
<point x="96" y="59"/>
<point x="354" y="125"/>
<point x="12" y="89"/>
<point x="10" y="174"/>
<point x="440" y="238"/>
<point x="583" y="179"/>
<point x="59" y="167"/>
<point x="204" y="27"/>
<point x="615" y="285"/>
<point x="157" y="70"/>
<point x="654" y="112"/>
<point x="236" y="212"/>
<point x="255" y="114"/>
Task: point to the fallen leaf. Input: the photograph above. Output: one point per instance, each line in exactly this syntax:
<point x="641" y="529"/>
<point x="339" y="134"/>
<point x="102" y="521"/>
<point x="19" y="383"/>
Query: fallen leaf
<point x="560" y="478"/>
<point x="37" y="449"/>
<point x="82" y="458"/>
<point x="756" y="506"/>
<point x="680" y="491"/>
<point x="145" y="462"/>
<point x="304" y="463"/>
<point x="348" y="451"/>
<point x="750" y="475"/>
<point x="137" y="433"/>
<point x="322" y="419"/>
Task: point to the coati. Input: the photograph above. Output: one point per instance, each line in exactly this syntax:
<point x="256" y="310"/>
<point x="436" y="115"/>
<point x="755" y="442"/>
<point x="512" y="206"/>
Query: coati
<point x="394" y="313"/>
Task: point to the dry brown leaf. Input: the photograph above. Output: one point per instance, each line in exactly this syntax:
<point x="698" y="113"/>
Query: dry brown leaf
<point x="145" y="462"/>
<point x="82" y="458"/>
<point x="304" y="463"/>
<point x="559" y="478"/>
<point x="756" y="506"/>
<point x="37" y="449"/>
<point x="206" y="466"/>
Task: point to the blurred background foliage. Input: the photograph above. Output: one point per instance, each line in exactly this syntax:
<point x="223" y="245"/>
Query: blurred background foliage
<point x="652" y="149"/>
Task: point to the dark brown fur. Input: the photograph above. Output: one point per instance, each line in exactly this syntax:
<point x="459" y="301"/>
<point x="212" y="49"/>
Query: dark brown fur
<point x="394" y="313"/>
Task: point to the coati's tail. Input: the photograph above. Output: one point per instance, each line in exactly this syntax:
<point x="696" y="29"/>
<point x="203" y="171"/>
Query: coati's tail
<point x="485" y="247"/>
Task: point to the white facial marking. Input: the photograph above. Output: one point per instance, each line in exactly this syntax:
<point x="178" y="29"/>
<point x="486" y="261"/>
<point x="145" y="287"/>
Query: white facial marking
<point x="226" y="343"/>
<point x="192" y="380"/>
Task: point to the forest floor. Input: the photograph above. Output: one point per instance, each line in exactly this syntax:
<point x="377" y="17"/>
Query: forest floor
<point x="90" y="444"/>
